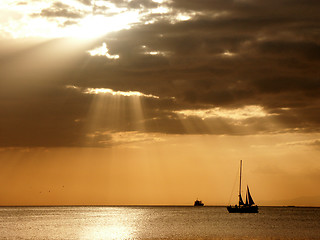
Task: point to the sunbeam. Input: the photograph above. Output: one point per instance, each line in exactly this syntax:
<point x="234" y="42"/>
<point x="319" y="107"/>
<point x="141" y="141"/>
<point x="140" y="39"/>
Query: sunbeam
<point x="110" y="110"/>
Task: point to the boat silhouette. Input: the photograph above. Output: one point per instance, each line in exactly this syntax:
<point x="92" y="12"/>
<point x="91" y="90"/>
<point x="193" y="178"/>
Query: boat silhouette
<point x="244" y="207"/>
<point x="198" y="203"/>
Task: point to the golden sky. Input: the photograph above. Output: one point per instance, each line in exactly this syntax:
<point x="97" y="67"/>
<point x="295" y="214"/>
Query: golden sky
<point x="156" y="101"/>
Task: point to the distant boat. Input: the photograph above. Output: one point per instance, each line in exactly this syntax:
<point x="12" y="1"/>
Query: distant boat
<point x="249" y="206"/>
<point x="198" y="203"/>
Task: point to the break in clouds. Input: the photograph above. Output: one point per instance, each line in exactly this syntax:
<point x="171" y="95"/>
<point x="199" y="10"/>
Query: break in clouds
<point x="212" y="67"/>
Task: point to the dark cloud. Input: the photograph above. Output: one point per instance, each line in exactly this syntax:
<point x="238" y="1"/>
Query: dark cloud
<point x="316" y="143"/>
<point x="85" y="2"/>
<point x="135" y="4"/>
<point x="230" y="54"/>
<point x="59" y="9"/>
<point x="39" y="120"/>
<point x="22" y="3"/>
<point x="68" y="23"/>
<point x="142" y="3"/>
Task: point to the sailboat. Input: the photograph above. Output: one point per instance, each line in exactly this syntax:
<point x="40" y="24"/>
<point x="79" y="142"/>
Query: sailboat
<point x="249" y="206"/>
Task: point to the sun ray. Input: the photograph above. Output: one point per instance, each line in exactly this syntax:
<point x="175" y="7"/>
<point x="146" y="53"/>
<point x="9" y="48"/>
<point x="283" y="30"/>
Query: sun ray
<point x="112" y="111"/>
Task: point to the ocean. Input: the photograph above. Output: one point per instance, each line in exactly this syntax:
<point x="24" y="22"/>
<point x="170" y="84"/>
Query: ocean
<point x="148" y="223"/>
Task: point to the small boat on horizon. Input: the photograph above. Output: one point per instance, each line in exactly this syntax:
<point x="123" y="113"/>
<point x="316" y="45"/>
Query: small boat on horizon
<point x="249" y="206"/>
<point x="198" y="203"/>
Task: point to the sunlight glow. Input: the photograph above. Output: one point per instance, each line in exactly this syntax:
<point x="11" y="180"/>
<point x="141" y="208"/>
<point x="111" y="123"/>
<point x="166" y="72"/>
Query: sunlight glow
<point x="154" y="53"/>
<point x="147" y="51"/>
<point x="237" y="114"/>
<point x="50" y="19"/>
<point x="115" y="93"/>
<point x="97" y="25"/>
<point x="228" y="54"/>
<point x="182" y="17"/>
<point x="160" y="10"/>
<point x="109" y="91"/>
<point x="71" y="18"/>
<point x="102" y="51"/>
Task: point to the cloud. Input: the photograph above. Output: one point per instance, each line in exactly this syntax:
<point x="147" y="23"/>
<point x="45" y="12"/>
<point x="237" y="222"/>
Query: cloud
<point x="107" y="139"/>
<point x="313" y="143"/>
<point x="135" y="3"/>
<point x="102" y="51"/>
<point x="68" y="23"/>
<point x="225" y="56"/>
<point x="85" y="2"/>
<point x="7" y="15"/>
<point x="108" y="91"/>
<point x="59" y="9"/>
<point x="142" y="3"/>
<point x="22" y="3"/>
<point x="316" y="143"/>
<point x="238" y="114"/>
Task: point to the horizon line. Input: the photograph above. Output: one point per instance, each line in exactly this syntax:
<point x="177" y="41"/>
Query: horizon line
<point x="149" y="205"/>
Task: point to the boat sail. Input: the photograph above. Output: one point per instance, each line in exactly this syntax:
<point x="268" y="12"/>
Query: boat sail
<point x="247" y="207"/>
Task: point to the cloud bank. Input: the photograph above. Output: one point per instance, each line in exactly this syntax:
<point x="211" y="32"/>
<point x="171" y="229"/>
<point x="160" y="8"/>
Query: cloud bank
<point x="204" y="60"/>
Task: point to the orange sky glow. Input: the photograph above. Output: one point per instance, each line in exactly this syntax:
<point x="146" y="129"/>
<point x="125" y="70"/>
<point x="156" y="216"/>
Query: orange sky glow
<point x="156" y="102"/>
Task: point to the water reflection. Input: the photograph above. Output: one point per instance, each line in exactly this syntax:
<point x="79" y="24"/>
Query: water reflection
<point x="115" y="223"/>
<point x="109" y="232"/>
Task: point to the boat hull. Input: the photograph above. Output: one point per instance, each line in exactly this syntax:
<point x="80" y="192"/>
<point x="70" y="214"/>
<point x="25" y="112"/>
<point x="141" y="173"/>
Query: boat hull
<point x="243" y="209"/>
<point x="199" y="205"/>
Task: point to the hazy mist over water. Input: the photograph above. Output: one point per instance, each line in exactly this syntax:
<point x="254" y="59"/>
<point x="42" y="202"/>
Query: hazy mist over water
<point x="139" y="223"/>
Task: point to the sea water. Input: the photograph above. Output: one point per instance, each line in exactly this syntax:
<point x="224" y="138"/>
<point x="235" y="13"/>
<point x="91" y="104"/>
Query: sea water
<point x="149" y="223"/>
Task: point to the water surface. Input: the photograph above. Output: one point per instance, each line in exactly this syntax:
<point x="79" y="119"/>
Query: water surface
<point x="158" y="223"/>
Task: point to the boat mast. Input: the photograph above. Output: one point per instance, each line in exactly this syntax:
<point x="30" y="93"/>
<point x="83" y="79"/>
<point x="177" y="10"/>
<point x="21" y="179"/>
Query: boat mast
<point x="240" y="198"/>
